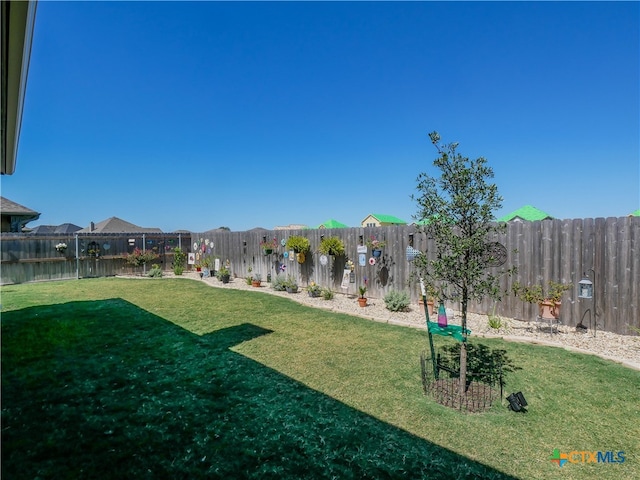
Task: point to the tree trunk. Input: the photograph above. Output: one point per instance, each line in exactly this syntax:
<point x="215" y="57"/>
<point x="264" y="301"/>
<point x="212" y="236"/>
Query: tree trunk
<point x="463" y="346"/>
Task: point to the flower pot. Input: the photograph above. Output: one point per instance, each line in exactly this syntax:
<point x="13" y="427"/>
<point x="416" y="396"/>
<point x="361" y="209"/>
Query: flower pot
<point x="255" y="283"/>
<point x="429" y="306"/>
<point x="268" y="251"/>
<point x="549" y="309"/>
<point x="225" y="278"/>
<point x="362" y="302"/>
<point x="313" y="294"/>
<point x="376" y="253"/>
<point x="292" y="289"/>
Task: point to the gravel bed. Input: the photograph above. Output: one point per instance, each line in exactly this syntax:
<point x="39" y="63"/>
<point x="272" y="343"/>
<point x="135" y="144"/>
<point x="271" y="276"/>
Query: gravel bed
<point x="624" y="349"/>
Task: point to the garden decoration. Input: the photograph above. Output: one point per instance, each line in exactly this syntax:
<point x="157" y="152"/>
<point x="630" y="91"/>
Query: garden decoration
<point x="412" y="253"/>
<point x="61" y="247"/>
<point x="586" y="291"/>
<point x="435" y="328"/>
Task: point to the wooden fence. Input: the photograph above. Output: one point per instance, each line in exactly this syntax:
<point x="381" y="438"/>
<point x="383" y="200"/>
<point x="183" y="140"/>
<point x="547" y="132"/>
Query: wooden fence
<point x="558" y="250"/>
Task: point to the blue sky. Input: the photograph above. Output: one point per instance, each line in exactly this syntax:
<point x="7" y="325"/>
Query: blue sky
<point x="204" y="114"/>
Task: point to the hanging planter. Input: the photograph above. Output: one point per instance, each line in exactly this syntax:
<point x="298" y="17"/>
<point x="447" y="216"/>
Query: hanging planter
<point x="298" y="244"/>
<point x="376" y="253"/>
<point x="331" y="246"/>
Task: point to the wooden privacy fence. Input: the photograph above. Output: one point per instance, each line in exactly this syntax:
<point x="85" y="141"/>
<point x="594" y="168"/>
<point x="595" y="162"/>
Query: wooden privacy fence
<point x="557" y="250"/>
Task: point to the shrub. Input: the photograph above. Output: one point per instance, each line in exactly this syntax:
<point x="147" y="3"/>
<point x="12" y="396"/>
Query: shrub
<point x="178" y="261"/>
<point x="138" y="258"/>
<point x="397" y="301"/>
<point x="327" y="294"/>
<point x="279" y="283"/>
<point x="155" y="272"/>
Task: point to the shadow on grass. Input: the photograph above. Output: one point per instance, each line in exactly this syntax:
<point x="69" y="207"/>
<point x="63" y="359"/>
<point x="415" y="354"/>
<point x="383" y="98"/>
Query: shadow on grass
<point x="107" y="390"/>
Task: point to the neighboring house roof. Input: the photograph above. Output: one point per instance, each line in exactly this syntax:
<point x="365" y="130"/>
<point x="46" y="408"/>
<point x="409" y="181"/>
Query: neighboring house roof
<point x="386" y="218"/>
<point x="527" y="213"/>
<point x="117" y="225"/>
<point x="331" y="223"/>
<point x="15" y="216"/>
<point x="9" y="207"/>
<point x="636" y="213"/>
<point x="49" y="229"/>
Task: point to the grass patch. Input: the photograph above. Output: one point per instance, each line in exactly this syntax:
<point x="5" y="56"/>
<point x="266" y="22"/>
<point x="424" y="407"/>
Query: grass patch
<point x="169" y="378"/>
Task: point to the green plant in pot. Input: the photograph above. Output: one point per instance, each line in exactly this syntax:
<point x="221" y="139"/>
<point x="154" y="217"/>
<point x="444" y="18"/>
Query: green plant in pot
<point x="298" y="244"/>
<point x="223" y="274"/>
<point x="362" y="300"/>
<point x="314" y="289"/>
<point x="331" y="246"/>
<point x="548" y="298"/>
<point x="268" y="246"/>
<point x="291" y="284"/>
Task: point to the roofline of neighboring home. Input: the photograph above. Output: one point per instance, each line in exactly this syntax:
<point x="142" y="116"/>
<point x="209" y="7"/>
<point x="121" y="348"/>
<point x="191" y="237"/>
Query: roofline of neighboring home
<point x="17" y="21"/>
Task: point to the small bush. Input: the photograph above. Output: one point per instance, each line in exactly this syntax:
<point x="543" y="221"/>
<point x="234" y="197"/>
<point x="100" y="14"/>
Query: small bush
<point x="279" y="283"/>
<point x="327" y="294"/>
<point x="397" y="301"/>
<point x="155" y="272"/>
<point x="178" y="261"/>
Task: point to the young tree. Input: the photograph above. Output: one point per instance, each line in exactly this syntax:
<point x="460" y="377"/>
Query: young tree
<point x="458" y="208"/>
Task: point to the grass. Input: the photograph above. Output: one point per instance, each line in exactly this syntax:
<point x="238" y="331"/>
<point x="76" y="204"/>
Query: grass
<point x="169" y="378"/>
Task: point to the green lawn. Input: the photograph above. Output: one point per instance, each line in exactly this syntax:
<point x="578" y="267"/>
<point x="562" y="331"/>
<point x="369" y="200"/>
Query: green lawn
<point x="170" y="378"/>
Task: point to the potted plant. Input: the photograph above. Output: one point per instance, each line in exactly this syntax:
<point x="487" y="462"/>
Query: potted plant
<point x="268" y="246"/>
<point x="256" y="280"/>
<point x="223" y="274"/>
<point x="298" y="244"/>
<point x="291" y="284"/>
<point x="431" y="293"/>
<point x="547" y="298"/>
<point x="61" y="247"/>
<point x="362" y="300"/>
<point x="331" y="246"/>
<point x="206" y="267"/>
<point x="375" y="245"/>
<point x="314" y="289"/>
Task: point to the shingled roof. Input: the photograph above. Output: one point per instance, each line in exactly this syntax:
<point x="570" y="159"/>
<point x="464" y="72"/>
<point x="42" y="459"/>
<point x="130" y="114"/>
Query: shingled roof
<point x="117" y="225"/>
<point x="15" y="216"/>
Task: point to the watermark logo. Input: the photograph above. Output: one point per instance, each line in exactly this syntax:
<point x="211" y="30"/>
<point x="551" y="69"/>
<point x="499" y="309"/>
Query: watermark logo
<point x="583" y="456"/>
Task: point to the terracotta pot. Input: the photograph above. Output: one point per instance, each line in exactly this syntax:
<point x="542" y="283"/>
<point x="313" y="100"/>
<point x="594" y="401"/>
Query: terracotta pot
<point x="255" y="283"/>
<point x="549" y="309"/>
<point x="362" y="302"/>
<point x="429" y="306"/>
